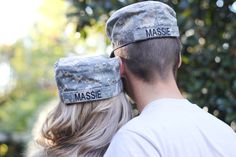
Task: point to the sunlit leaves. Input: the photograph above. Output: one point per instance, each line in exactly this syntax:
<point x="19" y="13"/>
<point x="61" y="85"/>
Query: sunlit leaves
<point x="32" y="60"/>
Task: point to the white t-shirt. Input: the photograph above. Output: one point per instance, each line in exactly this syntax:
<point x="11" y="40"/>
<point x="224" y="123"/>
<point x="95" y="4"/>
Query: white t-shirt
<point x="173" y="128"/>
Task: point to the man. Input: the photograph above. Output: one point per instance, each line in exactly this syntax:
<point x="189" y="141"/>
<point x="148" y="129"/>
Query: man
<point x="145" y="37"/>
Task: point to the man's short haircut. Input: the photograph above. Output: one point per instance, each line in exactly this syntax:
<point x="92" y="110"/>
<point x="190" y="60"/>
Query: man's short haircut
<point x="153" y="58"/>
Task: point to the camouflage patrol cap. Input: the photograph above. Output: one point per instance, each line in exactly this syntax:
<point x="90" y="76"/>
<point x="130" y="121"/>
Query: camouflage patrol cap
<point x="141" y="21"/>
<point x="87" y="79"/>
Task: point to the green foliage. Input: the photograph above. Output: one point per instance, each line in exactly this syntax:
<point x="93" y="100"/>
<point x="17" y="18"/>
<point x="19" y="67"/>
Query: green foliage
<point x="207" y="75"/>
<point x="31" y="84"/>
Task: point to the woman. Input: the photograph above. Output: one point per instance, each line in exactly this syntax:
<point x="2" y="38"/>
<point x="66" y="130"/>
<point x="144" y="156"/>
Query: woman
<point x="92" y="108"/>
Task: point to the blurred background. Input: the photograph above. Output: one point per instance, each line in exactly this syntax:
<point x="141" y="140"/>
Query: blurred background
<point x="35" y="33"/>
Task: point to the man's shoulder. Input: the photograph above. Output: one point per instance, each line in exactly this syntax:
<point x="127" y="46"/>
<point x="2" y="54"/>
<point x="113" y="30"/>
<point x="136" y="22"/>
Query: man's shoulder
<point x="133" y="139"/>
<point x="135" y="124"/>
<point x="157" y="114"/>
<point x="142" y="125"/>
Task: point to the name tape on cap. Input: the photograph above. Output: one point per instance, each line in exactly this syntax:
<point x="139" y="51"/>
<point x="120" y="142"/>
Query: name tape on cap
<point x="162" y="31"/>
<point x="90" y="95"/>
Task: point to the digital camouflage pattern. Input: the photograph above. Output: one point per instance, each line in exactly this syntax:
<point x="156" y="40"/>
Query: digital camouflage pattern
<point x="87" y="79"/>
<point x="141" y="21"/>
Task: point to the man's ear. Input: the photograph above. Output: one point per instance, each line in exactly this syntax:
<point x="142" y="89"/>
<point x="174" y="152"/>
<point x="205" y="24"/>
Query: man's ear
<point x="180" y="60"/>
<point x="122" y="70"/>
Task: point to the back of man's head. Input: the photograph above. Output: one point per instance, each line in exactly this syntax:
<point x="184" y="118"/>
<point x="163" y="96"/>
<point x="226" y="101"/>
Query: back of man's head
<point x="147" y="33"/>
<point x="153" y="59"/>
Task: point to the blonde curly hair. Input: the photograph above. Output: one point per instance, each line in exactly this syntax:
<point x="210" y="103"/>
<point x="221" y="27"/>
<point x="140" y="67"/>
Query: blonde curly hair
<point x="83" y="129"/>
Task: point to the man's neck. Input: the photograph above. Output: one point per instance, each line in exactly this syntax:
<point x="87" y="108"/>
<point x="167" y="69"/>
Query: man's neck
<point x="148" y="92"/>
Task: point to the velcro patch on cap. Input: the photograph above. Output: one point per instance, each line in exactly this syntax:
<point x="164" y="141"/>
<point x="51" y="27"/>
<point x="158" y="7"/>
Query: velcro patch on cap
<point x="152" y="32"/>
